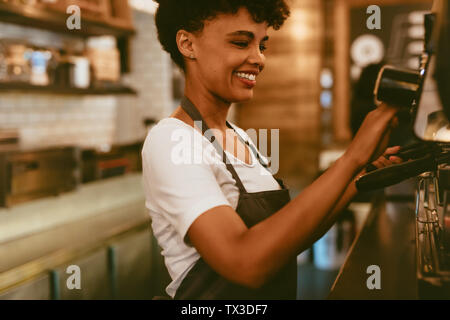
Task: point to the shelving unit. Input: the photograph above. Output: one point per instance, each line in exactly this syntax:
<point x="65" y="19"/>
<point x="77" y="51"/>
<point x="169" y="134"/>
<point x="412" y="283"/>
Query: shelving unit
<point x="24" y="87"/>
<point x="53" y="20"/>
<point x="99" y="17"/>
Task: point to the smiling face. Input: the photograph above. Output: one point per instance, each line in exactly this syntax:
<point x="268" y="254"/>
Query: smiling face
<point x="228" y="56"/>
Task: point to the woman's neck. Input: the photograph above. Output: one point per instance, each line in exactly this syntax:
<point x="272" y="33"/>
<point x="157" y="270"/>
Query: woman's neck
<point x="213" y="109"/>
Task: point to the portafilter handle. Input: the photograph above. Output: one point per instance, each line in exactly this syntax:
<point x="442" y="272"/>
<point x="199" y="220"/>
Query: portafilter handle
<point x="396" y="173"/>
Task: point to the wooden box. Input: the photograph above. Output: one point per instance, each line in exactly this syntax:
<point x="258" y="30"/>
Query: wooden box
<point x="105" y="64"/>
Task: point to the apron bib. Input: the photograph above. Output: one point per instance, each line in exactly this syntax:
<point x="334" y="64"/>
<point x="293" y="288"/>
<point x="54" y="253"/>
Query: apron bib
<point x="202" y="282"/>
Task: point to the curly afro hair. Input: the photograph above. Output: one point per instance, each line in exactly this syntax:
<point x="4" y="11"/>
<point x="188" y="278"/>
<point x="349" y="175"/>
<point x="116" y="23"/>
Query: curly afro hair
<point x="190" y="15"/>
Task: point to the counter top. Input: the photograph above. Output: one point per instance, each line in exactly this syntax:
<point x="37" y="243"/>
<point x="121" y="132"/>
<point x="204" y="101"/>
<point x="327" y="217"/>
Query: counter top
<point x="387" y="240"/>
<point x="86" y="201"/>
<point x="38" y="235"/>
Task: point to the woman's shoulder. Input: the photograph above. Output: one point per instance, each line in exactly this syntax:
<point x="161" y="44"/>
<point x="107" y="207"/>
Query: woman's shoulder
<point x="171" y="135"/>
<point x="161" y="134"/>
<point x="169" y="124"/>
<point x="166" y="128"/>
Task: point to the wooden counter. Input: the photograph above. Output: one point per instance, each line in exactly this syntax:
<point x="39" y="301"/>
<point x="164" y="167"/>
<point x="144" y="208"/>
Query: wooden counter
<point x="387" y="240"/>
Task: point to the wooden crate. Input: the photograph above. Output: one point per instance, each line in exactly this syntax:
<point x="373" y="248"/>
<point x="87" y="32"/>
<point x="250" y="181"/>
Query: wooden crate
<point x="105" y="64"/>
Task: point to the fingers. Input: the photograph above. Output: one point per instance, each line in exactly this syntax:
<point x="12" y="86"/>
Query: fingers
<point x="385" y="160"/>
<point x="395" y="160"/>
<point x="382" y="162"/>
<point x="392" y="150"/>
<point x="378" y="164"/>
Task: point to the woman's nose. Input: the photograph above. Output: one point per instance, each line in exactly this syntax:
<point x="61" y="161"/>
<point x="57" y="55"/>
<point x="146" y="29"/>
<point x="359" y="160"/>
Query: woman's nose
<point x="257" y="58"/>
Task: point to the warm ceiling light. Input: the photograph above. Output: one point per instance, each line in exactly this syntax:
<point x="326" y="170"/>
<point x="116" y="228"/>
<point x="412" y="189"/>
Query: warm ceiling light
<point x="144" y="5"/>
<point x="300" y="24"/>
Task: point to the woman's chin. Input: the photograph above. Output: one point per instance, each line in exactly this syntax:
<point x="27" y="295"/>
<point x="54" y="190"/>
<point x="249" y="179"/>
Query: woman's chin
<point x="243" y="97"/>
<point x="237" y="96"/>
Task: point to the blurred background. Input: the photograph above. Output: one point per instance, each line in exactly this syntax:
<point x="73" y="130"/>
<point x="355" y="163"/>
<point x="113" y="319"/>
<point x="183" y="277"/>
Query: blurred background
<point x="76" y="104"/>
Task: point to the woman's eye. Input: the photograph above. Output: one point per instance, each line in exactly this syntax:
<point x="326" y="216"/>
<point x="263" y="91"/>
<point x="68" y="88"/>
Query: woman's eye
<point x="241" y="44"/>
<point x="262" y="47"/>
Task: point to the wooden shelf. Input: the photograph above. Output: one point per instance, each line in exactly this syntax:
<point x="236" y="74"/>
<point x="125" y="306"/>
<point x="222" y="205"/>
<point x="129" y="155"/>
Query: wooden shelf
<point x="36" y="17"/>
<point x="24" y="87"/>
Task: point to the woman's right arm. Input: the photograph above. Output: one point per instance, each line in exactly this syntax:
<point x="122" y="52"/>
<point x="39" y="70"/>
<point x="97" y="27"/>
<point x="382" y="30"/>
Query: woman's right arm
<point x="249" y="256"/>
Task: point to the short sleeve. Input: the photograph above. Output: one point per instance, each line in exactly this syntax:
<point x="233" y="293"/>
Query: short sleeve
<point x="180" y="182"/>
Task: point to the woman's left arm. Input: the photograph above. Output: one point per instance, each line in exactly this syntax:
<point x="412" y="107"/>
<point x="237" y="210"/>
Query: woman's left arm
<point x="351" y="191"/>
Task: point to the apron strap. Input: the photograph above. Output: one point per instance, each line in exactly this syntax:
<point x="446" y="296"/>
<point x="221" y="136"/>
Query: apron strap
<point x="249" y="145"/>
<point x="256" y="153"/>
<point x="195" y="115"/>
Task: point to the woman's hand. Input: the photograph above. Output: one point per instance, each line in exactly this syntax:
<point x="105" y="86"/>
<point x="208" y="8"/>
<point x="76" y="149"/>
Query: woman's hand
<point x="373" y="135"/>
<point x="386" y="160"/>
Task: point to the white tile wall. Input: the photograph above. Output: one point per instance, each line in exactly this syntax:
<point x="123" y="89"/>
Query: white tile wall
<point x="151" y="69"/>
<point x="39" y="37"/>
<point x="50" y="120"/>
<point x="92" y="121"/>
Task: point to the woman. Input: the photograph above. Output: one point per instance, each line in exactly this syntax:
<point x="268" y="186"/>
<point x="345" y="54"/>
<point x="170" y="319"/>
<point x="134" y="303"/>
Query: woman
<point x="227" y="228"/>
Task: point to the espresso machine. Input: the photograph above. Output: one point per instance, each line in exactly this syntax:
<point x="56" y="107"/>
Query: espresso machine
<point x="425" y="93"/>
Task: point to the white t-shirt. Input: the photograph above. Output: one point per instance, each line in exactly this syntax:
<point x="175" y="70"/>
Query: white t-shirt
<point x="183" y="177"/>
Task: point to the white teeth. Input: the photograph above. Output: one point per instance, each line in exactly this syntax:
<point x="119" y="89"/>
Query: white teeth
<point x="247" y="76"/>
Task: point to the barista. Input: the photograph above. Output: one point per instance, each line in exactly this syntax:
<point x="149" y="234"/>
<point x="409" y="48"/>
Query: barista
<point x="227" y="227"/>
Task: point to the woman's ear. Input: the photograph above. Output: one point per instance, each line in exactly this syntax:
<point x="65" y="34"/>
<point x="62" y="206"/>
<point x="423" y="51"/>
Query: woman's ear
<point x="184" y="43"/>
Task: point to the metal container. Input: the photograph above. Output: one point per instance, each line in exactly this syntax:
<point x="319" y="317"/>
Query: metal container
<point x="28" y="175"/>
<point x="119" y="160"/>
<point x="397" y="87"/>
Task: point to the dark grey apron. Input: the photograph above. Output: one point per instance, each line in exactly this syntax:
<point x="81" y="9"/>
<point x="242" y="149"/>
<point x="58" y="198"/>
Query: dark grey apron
<point x="202" y="282"/>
